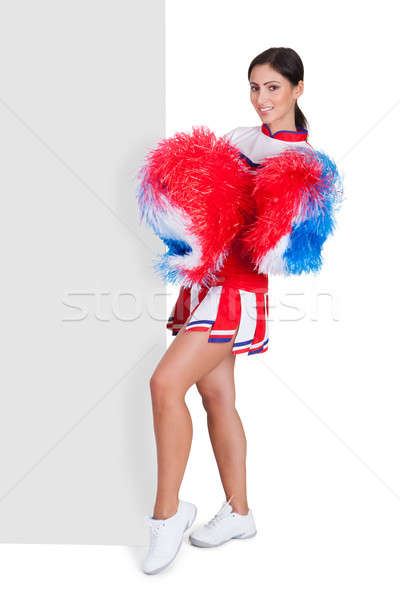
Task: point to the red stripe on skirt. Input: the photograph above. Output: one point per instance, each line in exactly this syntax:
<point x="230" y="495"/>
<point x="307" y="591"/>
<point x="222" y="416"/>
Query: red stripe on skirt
<point x="228" y="314"/>
<point x="182" y="307"/>
<point x="259" y="333"/>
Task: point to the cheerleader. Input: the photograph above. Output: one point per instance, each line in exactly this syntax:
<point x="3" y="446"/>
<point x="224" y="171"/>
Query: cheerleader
<point x="231" y="211"/>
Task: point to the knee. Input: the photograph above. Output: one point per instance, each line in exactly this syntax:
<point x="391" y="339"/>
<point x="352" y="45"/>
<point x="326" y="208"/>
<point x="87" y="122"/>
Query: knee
<point x="164" y="392"/>
<point x="159" y="383"/>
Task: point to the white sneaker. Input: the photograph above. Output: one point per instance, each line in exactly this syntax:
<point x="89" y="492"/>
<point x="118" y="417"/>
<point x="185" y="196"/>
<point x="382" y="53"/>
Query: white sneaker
<point x="166" y="536"/>
<point x="224" y="526"/>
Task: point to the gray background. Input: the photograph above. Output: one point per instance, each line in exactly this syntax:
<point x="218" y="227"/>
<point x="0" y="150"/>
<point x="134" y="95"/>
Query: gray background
<point x="83" y="97"/>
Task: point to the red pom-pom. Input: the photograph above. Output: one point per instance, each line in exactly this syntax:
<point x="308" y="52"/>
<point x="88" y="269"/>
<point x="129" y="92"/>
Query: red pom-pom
<point x="280" y="193"/>
<point x="201" y="185"/>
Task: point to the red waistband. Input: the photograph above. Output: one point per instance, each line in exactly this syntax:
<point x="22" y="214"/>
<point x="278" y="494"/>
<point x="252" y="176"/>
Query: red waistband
<point x="251" y="282"/>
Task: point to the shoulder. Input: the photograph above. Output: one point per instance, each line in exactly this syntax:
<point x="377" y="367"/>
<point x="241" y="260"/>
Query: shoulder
<point x="240" y="133"/>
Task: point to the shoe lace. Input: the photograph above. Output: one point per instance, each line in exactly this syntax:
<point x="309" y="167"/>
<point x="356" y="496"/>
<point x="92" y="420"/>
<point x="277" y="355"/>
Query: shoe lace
<point x="215" y="520"/>
<point x="219" y="516"/>
<point x="155" y="528"/>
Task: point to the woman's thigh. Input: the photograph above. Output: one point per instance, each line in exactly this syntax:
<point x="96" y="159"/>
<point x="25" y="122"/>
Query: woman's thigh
<point x="190" y="357"/>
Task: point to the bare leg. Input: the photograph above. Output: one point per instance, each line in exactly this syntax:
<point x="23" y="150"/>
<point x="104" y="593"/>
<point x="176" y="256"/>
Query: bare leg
<point x="189" y="357"/>
<point x="227" y="436"/>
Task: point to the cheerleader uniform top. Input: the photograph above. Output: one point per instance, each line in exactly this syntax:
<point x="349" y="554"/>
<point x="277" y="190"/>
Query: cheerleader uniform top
<point x="255" y="144"/>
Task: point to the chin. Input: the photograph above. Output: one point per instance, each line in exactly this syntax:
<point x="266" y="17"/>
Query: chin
<point x="266" y="118"/>
<point x="268" y="121"/>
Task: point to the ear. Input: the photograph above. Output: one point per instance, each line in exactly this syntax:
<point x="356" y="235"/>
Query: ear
<point x="300" y="89"/>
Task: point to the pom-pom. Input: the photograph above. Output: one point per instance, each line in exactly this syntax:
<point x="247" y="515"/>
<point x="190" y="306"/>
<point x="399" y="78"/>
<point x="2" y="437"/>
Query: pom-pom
<point x="296" y="194"/>
<point x="193" y="192"/>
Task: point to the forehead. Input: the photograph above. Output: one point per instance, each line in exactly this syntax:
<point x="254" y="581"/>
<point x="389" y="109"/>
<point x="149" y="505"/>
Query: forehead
<point x="262" y="73"/>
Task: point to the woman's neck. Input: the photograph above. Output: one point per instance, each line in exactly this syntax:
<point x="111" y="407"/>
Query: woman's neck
<point x="283" y="124"/>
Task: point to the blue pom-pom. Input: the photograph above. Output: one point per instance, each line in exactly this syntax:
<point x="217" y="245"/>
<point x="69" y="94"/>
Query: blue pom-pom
<point x="303" y="253"/>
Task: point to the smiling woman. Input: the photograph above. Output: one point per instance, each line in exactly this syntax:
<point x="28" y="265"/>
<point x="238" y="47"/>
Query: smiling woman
<point x="276" y="85"/>
<point x="230" y="210"/>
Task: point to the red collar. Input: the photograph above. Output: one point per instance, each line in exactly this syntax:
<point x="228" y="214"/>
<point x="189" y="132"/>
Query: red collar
<point x="285" y="134"/>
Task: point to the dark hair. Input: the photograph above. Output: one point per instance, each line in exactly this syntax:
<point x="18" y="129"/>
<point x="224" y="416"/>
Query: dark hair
<point x="289" y="64"/>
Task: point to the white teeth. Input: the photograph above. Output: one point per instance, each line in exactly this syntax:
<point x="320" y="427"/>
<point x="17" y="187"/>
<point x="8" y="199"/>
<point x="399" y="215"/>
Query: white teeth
<point x="265" y="109"/>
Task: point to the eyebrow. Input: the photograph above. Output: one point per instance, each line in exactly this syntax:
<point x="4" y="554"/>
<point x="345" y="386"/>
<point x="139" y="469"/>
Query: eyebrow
<point x="273" y="81"/>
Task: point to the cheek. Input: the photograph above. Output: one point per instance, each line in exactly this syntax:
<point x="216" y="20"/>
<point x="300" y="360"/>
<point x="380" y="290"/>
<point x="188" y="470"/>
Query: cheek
<point x="284" y="100"/>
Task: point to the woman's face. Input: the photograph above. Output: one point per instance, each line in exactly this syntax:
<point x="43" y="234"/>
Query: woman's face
<point x="271" y="91"/>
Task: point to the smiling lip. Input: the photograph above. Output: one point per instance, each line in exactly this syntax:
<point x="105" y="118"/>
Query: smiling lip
<point x="266" y="109"/>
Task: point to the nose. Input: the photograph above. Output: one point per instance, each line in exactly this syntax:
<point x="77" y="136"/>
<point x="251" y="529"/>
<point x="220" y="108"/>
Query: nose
<point x="263" y="97"/>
